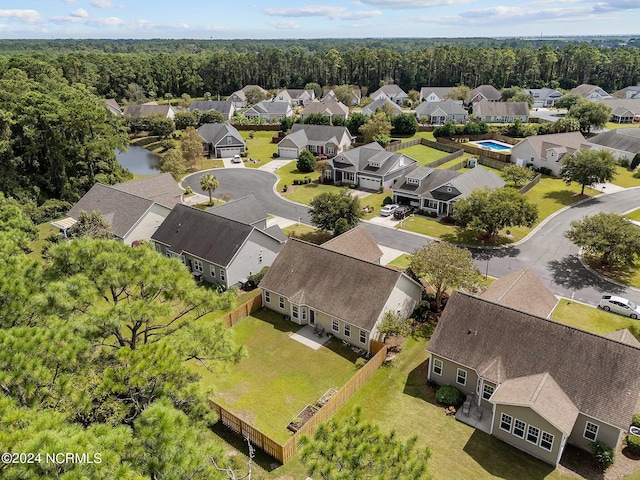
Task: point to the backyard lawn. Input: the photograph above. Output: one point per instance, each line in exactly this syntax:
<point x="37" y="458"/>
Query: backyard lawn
<point x="259" y="148"/>
<point x="423" y="154"/>
<point x="624" y="178"/>
<point x="307" y="233"/>
<point x="44" y="230"/>
<point x="279" y="377"/>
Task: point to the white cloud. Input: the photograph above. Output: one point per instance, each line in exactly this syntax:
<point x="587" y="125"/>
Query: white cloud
<point x="79" y="13"/>
<point x="69" y="2"/>
<point x="285" y="25"/>
<point x="412" y="3"/>
<point x="102" y="3"/>
<point x="334" y="13"/>
<point x="22" y="16"/>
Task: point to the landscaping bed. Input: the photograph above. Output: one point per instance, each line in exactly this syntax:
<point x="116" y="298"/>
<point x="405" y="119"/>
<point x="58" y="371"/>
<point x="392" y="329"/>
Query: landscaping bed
<point x="303" y="417"/>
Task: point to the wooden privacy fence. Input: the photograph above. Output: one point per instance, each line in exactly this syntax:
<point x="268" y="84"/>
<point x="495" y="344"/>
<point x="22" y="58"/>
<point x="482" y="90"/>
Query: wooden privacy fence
<point x="445" y="159"/>
<point x="531" y="184"/>
<point x="284" y="452"/>
<point x="475" y="150"/>
<point x="247" y="308"/>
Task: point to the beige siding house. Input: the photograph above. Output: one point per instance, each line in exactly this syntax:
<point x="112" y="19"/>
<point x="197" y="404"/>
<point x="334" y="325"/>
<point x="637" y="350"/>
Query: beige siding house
<point x="540" y="383"/>
<point x="548" y="150"/>
<point x="343" y="295"/>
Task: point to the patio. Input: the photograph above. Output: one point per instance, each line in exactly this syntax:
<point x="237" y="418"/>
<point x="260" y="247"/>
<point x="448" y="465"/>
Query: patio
<point x="475" y="416"/>
<point x="307" y="336"/>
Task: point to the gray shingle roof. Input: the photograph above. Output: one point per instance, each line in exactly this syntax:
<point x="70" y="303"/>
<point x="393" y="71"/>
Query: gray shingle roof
<point x="214" y="132"/>
<point x="373" y="106"/>
<point x="389" y="90"/>
<point x="500" y="109"/>
<point x="488" y="91"/>
<point x="586" y="89"/>
<point x="341" y="286"/>
<point x="432" y="178"/>
<point x="620" y="106"/>
<point x="245" y="210"/>
<point x="161" y="188"/>
<point x="599" y="375"/>
<point x="357" y="243"/>
<point x="476" y="178"/>
<point x="441" y="92"/>
<point x="225" y="107"/>
<point x="541" y="143"/>
<point x="301" y="134"/>
<point x="326" y="108"/>
<point x="625" y="139"/>
<point x="358" y="159"/>
<point x="269" y="107"/>
<point x="449" y="107"/>
<point x="146" y="110"/>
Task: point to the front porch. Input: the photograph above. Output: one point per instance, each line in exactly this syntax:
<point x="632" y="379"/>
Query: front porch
<point x="474" y="415"/>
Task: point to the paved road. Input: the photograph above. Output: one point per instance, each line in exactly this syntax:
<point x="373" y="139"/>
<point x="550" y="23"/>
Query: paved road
<point x="547" y="252"/>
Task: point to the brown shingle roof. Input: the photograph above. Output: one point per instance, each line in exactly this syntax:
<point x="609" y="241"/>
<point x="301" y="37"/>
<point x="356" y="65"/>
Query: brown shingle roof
<point x="599" y="375"/>
<point x="523" y="291"/>
<point x="357" y="243"/>
<point x="161" y="188"/>
<point x="624" y="336"/>
<point x="338" y="285"/>
<point x="500" y="109"/>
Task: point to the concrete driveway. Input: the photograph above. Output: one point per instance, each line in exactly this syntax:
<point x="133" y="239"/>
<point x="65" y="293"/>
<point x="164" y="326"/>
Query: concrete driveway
<point x="229" y="164"/>
<point x="274" y="165"/>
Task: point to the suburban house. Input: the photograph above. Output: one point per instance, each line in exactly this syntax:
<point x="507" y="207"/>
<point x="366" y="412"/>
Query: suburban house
<point x="390" y="92"/>
<point x="547" y="150"/>
<point x="113" y="107"/>
<point x="148" y="109"/>
<point x="270" y="111"/>
<point x="622" y="142"/>
<point x="217" y="249"/>
<point x="298" y="96"/>
<point x="224" y="107"/>
<point x="435" y="94"/>
<point x="543" y="97"/>
<point x="623" y="110"/>
<point x="134" y="210"/>
<point x="437" y="113"/>
<point x="437" y="190"/>
<point x="326" y="108"/>
<point x="343" y="295"/>
<point x="239" y="97"/>
<point x="632" y="91"/>
<point x="369" y="166"/>
<point x="531" y="382"/>
<point x="329" y="95"/>
<point x="522" y="290"/>
<point x="356" y="242"/>
<point x="383" y="104"/>
<point x="221" y="140"/>
<point x="318" y="139"/>
<point x="246" y="210"/>
<point x="501" y="112"/>
<point x="590" y="92"/>
<point x="486" y="93"/>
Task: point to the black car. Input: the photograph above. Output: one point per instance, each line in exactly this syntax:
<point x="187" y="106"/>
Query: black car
<point x="401" y="212"/>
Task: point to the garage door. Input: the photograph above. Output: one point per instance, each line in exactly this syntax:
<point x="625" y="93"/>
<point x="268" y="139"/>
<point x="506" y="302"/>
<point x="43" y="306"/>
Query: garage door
<point x="229" y="152"/>
<point x="288" y="152"/>
<point x="370" y="183"/>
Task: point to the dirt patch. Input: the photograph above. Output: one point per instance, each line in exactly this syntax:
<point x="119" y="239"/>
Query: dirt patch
<point x="231" y="396"/>
<point x="578" y="463"/>
<point x="247" y="416"/>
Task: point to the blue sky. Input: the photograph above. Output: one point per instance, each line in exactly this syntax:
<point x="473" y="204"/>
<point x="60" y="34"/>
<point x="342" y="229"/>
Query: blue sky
<point x="314" y="19"/>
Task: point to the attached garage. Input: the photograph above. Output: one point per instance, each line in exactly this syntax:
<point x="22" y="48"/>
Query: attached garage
<point x="287" y="152"/>
<point x="229" y="151"/>
<point x="370" y="183"/>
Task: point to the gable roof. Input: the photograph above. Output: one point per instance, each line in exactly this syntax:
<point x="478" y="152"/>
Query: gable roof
<point x="586" y="89"/>
<point x="620" y="106"/>
<point x="373" y="106"/>
<point x="449" y="107"/>
<point x="113" y="107"/>
<point x="543" y="93"/>
<point x="489" y="92"/>
<point x="625" y="139"/>
<point x="476" y="178"/>
<point x="339" y="285"/>
<point x="147" y="109"/>
<point x="473" y="331"/>
<point x="391" y="90"/>
<point x="269" y="107"/>
<point x="358" y="160"/>
<point x="431" y="178"/>
<point x="624" y="336"/>
<point x="325" y="108"/>
<point x="441" y="92"/>
<point x="295" y="93"/>
<point x="493" y="109"/>
<point x="203" y="234"/>
<point x="215" y="132"/>
<point x="245" y="210"/>
<point x="356" y="242"/>
<point x="225" y="107"/>
<point x="242" y="93"/>
<point x="161" y="188"/>
<point x="523" y="291"/>
<point x="301" y="134"/>
<point x="571" y="141"/>
<point x="122" y="210"/>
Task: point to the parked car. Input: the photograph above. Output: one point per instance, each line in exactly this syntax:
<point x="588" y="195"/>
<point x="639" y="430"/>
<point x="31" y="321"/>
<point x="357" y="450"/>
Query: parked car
<point x="623" y="306"/>
<point x="388" y="209"/>
<point x="236" y="159"/>
<point x="401" y="212"/>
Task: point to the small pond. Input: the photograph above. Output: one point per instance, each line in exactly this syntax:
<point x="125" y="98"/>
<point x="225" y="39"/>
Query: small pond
<point x="138" y="160"/>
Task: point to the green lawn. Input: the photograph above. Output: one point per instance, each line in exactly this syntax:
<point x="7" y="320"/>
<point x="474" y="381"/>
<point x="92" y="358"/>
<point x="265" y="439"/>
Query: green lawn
<point x="301" y="193"/>
<point x="624" y="178"/>
<point x="635" y="215"/>
<point x="374" y="201"/>
<point x="44" y="230"/>
<point x="279" y="377"/>
<point x="307" y="233"/>
<point x="613" y="126"/>
<point x="259" y="147"/>
<point x="590" y="318"/>
<point x="402" y="261"/>
<point x="423" y="154"/>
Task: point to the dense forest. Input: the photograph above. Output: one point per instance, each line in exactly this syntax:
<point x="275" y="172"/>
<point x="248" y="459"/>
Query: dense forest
<point x="160" y="67"/>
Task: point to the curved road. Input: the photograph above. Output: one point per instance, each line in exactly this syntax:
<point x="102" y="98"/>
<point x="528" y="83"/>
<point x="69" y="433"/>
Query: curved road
<point x="547" y="252"/>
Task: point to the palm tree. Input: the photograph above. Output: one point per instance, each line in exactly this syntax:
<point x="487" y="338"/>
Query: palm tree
<point x="209" y="183"/>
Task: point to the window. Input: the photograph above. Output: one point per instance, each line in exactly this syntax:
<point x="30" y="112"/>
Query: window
<point x="260" y="256"/>
<point x="229" y="139"/>
<point x="294" y="311"/>
<point x="363" y="337"/>
<point x="518" y="428"/>
<point x="304" y="314"/>
<point x="461" y="378"/>
<point x="330" y="150"/>
<point x="335" y="326"/>
<point x="267" y="297"/>
<point x="158" y="248"/>
<point x="591" y="431"/>
<point x="437" y="366"/>
<point x="212" y="270"/>
<point x="168" y="254"/>
<point x="347" y="330"/>
<point x="533" y="434"/>
<point x="281" y="302"/>
<point x="547" y="441"/>
<point x="413" y="181"/>
<point x="487" y="391"/>
<point x="348" y="176"/>
<point x="221" y="275"/>
<point x="505" y="422"/>
<point x="197" y="266"/>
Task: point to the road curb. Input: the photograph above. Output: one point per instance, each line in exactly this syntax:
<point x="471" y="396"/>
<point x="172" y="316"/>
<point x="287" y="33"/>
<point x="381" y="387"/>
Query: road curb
<point x="585" y="265"/>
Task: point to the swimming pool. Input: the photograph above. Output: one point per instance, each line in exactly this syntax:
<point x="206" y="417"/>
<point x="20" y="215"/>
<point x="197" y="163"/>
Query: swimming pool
<point x="494" y="146"/>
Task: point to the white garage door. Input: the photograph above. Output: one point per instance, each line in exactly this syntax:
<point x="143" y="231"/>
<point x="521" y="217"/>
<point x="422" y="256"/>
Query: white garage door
<point x="229" y="152"/>
<point x="288" y="152"/>
<point x="370" y="183"/>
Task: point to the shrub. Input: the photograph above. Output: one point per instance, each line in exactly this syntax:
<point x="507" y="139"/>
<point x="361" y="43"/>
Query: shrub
<point x="274" y="155"/>
<point x="361" y="362"/>
<point x="284" y="188"/>
<point x="433" y="214"/>
<point x="449" y="396"/>
<point x="188" y="191"/>
<point x="306" y="162"/>
<point x="387" y="200"/>
<point x="635" y="162"/>
<point x="633" y="444"/>
<point x="448" y="220"/>
<point x="623" y="162"/>
<point x="603" y="455"/>
<point x="635" y="420"/>
<point x="637" y="174"/>
<point x="167" y="145"/>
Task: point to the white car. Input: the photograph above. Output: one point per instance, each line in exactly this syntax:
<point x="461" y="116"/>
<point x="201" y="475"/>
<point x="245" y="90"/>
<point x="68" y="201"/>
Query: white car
<point x="623" y="306"/>
<point x="388" y="209"/>
<point x="236" y="159"/>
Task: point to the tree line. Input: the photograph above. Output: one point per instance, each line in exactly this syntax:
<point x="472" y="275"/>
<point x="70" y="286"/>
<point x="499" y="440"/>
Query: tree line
<point x="276" y="65"/>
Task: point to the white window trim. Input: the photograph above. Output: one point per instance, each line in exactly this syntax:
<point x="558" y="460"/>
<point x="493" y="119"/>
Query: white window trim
<point x="595" y="433"/>
<point x="222" y="275"/>
<point x="335" y="325"/>
<point x="484" y="387"/>
<point x="347" y="330"/>
<point x="549" y="442"/>
<point x="212" y="271"/>
<point x="510" y="422"/>
<point x="267" y="297"/>
<point x="524" y="428"/>
<point x="295" y="311"/>
<point x="529" y="427"/>
<point x="198" y="266"/>
<point x="458" y="377"/>
<point x="437" y="361"/>
<point x="363" y="337"/>
<point x="281" y="302"/>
